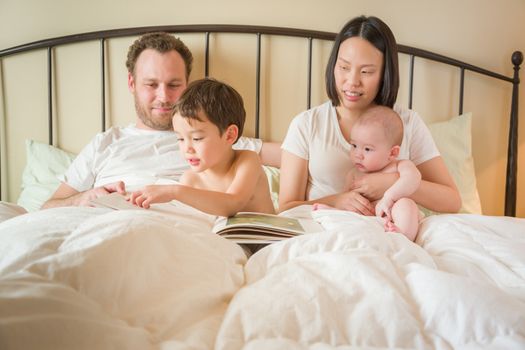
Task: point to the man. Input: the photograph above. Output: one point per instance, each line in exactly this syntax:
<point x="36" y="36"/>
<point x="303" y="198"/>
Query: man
<point x="122" y="159"/>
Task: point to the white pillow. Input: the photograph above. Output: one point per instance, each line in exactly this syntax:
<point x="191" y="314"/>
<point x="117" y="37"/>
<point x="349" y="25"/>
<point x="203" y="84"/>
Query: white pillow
<point x="454" y="141"/>
<point x="272" y="174"/>
<point x="44" y="163"/>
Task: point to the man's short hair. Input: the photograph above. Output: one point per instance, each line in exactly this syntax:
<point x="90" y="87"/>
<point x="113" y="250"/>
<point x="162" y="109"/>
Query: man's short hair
<point x="161" y="42"/>
<point x="221" y="103"/>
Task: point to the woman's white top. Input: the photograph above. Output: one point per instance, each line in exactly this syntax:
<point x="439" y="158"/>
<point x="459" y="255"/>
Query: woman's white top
<point x="315" y="136"/>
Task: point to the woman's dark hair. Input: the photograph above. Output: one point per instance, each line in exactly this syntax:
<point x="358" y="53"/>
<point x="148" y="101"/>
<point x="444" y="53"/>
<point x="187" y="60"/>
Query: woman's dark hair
<point x="381" y="37"/>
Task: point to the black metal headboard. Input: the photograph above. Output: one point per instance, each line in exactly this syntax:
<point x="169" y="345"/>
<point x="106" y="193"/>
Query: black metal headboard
<point x="309" y="35"/>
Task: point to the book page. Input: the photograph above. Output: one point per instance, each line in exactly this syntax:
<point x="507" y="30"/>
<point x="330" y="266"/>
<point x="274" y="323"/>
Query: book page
<point x="247" y="224"/>
<point x="119" y="202"/>
<point x="268" y="221"/>
<point x="114" y="201"/>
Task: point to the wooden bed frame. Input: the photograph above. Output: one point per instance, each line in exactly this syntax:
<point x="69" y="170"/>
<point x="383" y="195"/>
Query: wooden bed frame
<point x="309" y="36"/>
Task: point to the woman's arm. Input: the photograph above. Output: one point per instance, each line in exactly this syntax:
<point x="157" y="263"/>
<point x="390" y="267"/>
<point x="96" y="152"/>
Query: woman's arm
<point x="437" y="190"/>
<point x="293" y="183"/>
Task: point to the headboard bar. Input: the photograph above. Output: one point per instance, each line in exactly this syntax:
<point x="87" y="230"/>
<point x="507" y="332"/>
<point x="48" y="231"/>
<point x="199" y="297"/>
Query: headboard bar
<point x="411" y="82"/>
<point x="309" y="82"/>
<point x="310" y="35"/>
<point x="103" y="82"/>
<point x="1" y="134"/>
<point x="450" y="61"/>
<point x="512" y="161"/>
<point x="50" y="93"/>
<point x="230" y="28"/>
<point x="258" y="85"/>
<point x="207" y="56"/>
<point x="195" y="28"/>
<point x="461" y="89"/>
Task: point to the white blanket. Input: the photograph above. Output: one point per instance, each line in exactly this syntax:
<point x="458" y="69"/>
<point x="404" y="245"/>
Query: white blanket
<point x="464" y="287"/>
<point x="86" y="278"/>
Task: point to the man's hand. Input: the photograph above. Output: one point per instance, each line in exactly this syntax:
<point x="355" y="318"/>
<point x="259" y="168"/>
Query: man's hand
<point x="84" y="198"/>
<point x="67" y="196"/>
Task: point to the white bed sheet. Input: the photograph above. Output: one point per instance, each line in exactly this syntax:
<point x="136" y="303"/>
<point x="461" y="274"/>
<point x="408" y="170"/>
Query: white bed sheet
<point x="96" y="278"/>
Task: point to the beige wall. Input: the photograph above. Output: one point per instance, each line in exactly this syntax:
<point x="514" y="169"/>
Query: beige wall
<point x="481" y="32"/>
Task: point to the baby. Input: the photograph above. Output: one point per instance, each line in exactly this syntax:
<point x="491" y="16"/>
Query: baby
<point x="375" y="143"/>
<point x="208" y="119"/>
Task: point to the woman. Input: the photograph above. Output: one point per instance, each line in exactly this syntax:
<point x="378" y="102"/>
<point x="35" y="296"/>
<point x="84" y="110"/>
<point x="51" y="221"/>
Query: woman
<point x="362" y="71"/>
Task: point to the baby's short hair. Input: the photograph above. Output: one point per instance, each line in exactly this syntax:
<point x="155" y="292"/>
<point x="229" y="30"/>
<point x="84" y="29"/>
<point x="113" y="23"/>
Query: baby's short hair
<point x="386" y="118"/>
<point x="221" y="103"/>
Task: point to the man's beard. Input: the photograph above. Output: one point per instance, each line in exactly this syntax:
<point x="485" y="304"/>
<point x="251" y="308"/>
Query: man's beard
<point x="161" y="122"/>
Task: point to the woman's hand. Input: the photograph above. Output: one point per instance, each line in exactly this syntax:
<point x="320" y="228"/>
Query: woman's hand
<point x="374" y="185"/>
<point x="355" y="202"/>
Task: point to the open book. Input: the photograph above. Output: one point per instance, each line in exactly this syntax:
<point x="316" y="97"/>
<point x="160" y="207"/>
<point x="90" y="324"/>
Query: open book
<point x="117" y="201"/>
<point x="114" y="201"/>
<point x="256" y="228"/>
<point x="245" y="227"/>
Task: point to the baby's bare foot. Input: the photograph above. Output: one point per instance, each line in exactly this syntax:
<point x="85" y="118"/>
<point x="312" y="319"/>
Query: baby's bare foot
<point x="391" y="227"/>
<point x="319" y="206"/>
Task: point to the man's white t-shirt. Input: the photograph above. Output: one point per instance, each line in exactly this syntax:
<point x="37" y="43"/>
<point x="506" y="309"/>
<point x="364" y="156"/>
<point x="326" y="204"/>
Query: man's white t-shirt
<point x="136" y="156"/>
<point x="315" y="135"/>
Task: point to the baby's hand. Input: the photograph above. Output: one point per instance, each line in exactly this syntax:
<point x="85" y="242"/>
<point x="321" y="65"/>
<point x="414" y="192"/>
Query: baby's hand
<point x="383" y="208"/>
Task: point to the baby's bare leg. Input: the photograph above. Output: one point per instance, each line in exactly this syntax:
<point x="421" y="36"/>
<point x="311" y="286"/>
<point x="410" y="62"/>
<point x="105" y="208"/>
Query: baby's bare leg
<point x="405" y="216"/>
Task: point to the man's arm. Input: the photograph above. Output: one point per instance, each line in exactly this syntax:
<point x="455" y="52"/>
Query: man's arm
<point x="67" y="196"/>
<point x="271" y="154"/>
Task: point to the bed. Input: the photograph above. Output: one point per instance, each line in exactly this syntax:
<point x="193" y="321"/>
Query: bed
<point x="98" y="278"/>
